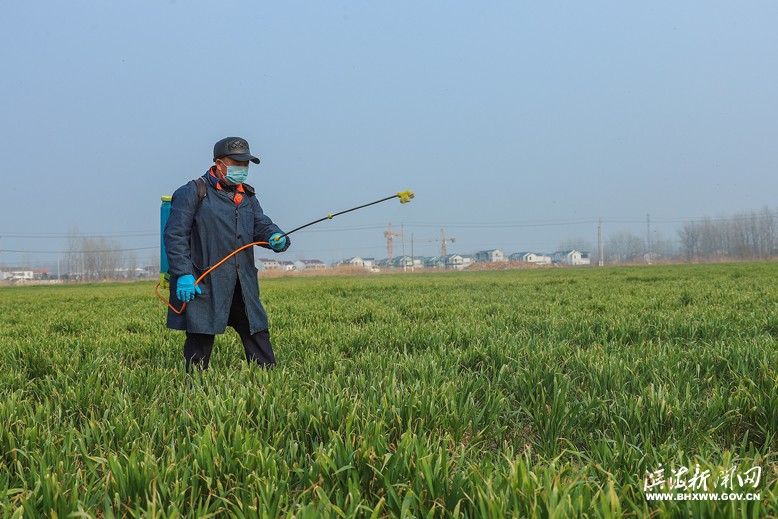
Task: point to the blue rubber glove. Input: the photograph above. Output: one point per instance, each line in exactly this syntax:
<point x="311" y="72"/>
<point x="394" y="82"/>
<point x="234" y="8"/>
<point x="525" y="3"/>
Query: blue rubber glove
<point x="277" y="242"/>
<point x="185" y="288"/>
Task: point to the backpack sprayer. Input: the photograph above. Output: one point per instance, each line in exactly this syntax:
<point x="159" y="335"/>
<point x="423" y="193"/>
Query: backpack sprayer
<point x="164" y="275"/>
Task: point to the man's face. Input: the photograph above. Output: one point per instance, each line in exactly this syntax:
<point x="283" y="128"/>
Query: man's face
<point x="222" y="163"/>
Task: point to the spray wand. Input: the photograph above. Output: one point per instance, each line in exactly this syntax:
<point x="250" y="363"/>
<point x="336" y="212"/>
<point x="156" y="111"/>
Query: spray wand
<point x="404" y="196"/>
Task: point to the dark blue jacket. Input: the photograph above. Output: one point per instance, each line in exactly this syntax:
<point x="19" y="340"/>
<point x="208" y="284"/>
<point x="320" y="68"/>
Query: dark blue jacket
<point x="198" y="238"/>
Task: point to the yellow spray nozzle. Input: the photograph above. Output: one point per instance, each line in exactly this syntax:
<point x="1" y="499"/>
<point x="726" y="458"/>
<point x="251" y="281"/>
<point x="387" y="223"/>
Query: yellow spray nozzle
<point x="405" y="196"/>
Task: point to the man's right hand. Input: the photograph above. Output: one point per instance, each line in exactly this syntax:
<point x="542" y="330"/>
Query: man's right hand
<point x="185" y="288"/>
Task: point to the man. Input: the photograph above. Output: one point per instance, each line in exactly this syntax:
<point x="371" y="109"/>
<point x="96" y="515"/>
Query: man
<point x="200" y="231"/>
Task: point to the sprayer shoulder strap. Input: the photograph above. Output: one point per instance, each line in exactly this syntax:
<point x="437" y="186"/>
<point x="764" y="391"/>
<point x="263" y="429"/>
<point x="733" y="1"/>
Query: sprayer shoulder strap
<point x="249" y="190"/>
<point x="201" y="191"/>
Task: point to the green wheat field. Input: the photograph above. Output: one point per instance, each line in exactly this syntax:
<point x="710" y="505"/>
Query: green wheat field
<point x="533" y="393"/>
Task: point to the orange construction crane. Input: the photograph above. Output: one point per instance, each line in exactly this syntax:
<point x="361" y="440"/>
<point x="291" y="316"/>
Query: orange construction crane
<point x="389" y="237"/>
<point x="443" y="241"/>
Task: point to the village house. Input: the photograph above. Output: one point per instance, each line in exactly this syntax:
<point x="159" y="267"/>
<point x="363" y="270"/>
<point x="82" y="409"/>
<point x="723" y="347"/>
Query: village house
<point x="286" y="266"/>
<point x="456" y="261"/>
<point x="571" y="257"/>
<point x="467" y="260"/>
<point x="433" y="262"/>
<point x="356" y="261"/>
<point x="267" y="264"/>
<point x="17" y="274"/>
<point x="489" y="256"/>
<point x="402" y="262"/>
<point x="531" y="257"/>
<point x="310" y="265"/>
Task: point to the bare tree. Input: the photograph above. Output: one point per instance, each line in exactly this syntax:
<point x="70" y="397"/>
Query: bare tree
<point x="751" y="235"/>
<point x="624" y="247"/>
<point x="131" y="261"/>
<point x="713" y="242"/>
<point x="690" y="241"/>
<point x="73" y="252"/>
<point x="152" y="264"/>
<point x="766" y="233"/>
<point x="102" y="258"/>
<point x="662" y="246"/>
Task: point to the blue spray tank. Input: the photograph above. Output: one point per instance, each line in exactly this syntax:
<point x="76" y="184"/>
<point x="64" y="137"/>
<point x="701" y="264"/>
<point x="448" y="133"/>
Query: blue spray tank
<point x="164" y="213"/>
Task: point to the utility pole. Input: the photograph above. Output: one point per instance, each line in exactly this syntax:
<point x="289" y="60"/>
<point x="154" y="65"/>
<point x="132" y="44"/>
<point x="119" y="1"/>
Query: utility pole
<point x="389" y="237"/>
<point x="648" y="238"/>
<point x="601" y="260"/>
<point x="413" y="261"/>
<point x="402" y="237"/>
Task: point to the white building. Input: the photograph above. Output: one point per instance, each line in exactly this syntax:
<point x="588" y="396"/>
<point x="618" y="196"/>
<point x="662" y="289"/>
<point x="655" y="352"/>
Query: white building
<point x="531" y="257"/>
<point x="310" y="265"/>
<point x="364" y="263"/>
<point x="432" y="262"/>
<point x="571" y="257"/>
<point x="402" y="262"/>
<point x="454" y="261"/>
<point x="356" y="261"/>
<point x="286" y="265"/>
<point x="18" y="274"/>
<point x="489" y="256"/>
<point x="267" y="264"/>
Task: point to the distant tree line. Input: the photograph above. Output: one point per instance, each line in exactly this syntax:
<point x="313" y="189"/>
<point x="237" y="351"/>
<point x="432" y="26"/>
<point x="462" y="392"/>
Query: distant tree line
<point x="749" y="235"/>
<point x="626" y="247"/>
<point x="746" y="236"/>
<point x="91" y="258"/>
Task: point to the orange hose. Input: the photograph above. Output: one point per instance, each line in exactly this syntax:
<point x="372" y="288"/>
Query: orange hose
<point x="225" y="258"/>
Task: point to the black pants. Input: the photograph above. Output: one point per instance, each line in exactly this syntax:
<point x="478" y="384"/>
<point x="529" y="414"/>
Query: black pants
<point x="198" y="346"/>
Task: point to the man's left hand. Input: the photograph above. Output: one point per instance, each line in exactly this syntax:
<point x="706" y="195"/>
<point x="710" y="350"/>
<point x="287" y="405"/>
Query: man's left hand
<point x="277" y="242"/>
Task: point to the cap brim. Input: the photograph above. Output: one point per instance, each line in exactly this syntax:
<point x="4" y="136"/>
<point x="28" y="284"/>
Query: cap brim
<point x="244" y="157"/>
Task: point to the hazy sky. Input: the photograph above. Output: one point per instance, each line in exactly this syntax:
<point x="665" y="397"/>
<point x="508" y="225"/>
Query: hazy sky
<point x="517" y="124"/>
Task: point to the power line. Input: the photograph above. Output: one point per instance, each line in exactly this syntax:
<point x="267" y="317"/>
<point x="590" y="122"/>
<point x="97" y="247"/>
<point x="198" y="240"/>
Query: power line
<point x="470" y="225"/>
<point x="76" y="251"/>
<point x="503" y="225"/>
<point x="45" y="235"/>
<point x="463" y="225"/>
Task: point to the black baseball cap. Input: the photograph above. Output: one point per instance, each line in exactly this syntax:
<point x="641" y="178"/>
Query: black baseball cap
<point x="234" y="148"/>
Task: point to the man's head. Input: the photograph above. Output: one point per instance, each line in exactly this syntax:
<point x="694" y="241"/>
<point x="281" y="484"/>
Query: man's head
<point x="232" y="156"/>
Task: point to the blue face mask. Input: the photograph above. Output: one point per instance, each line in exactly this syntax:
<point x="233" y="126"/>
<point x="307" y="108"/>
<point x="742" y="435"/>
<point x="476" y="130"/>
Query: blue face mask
<point x="237" y="174"/>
